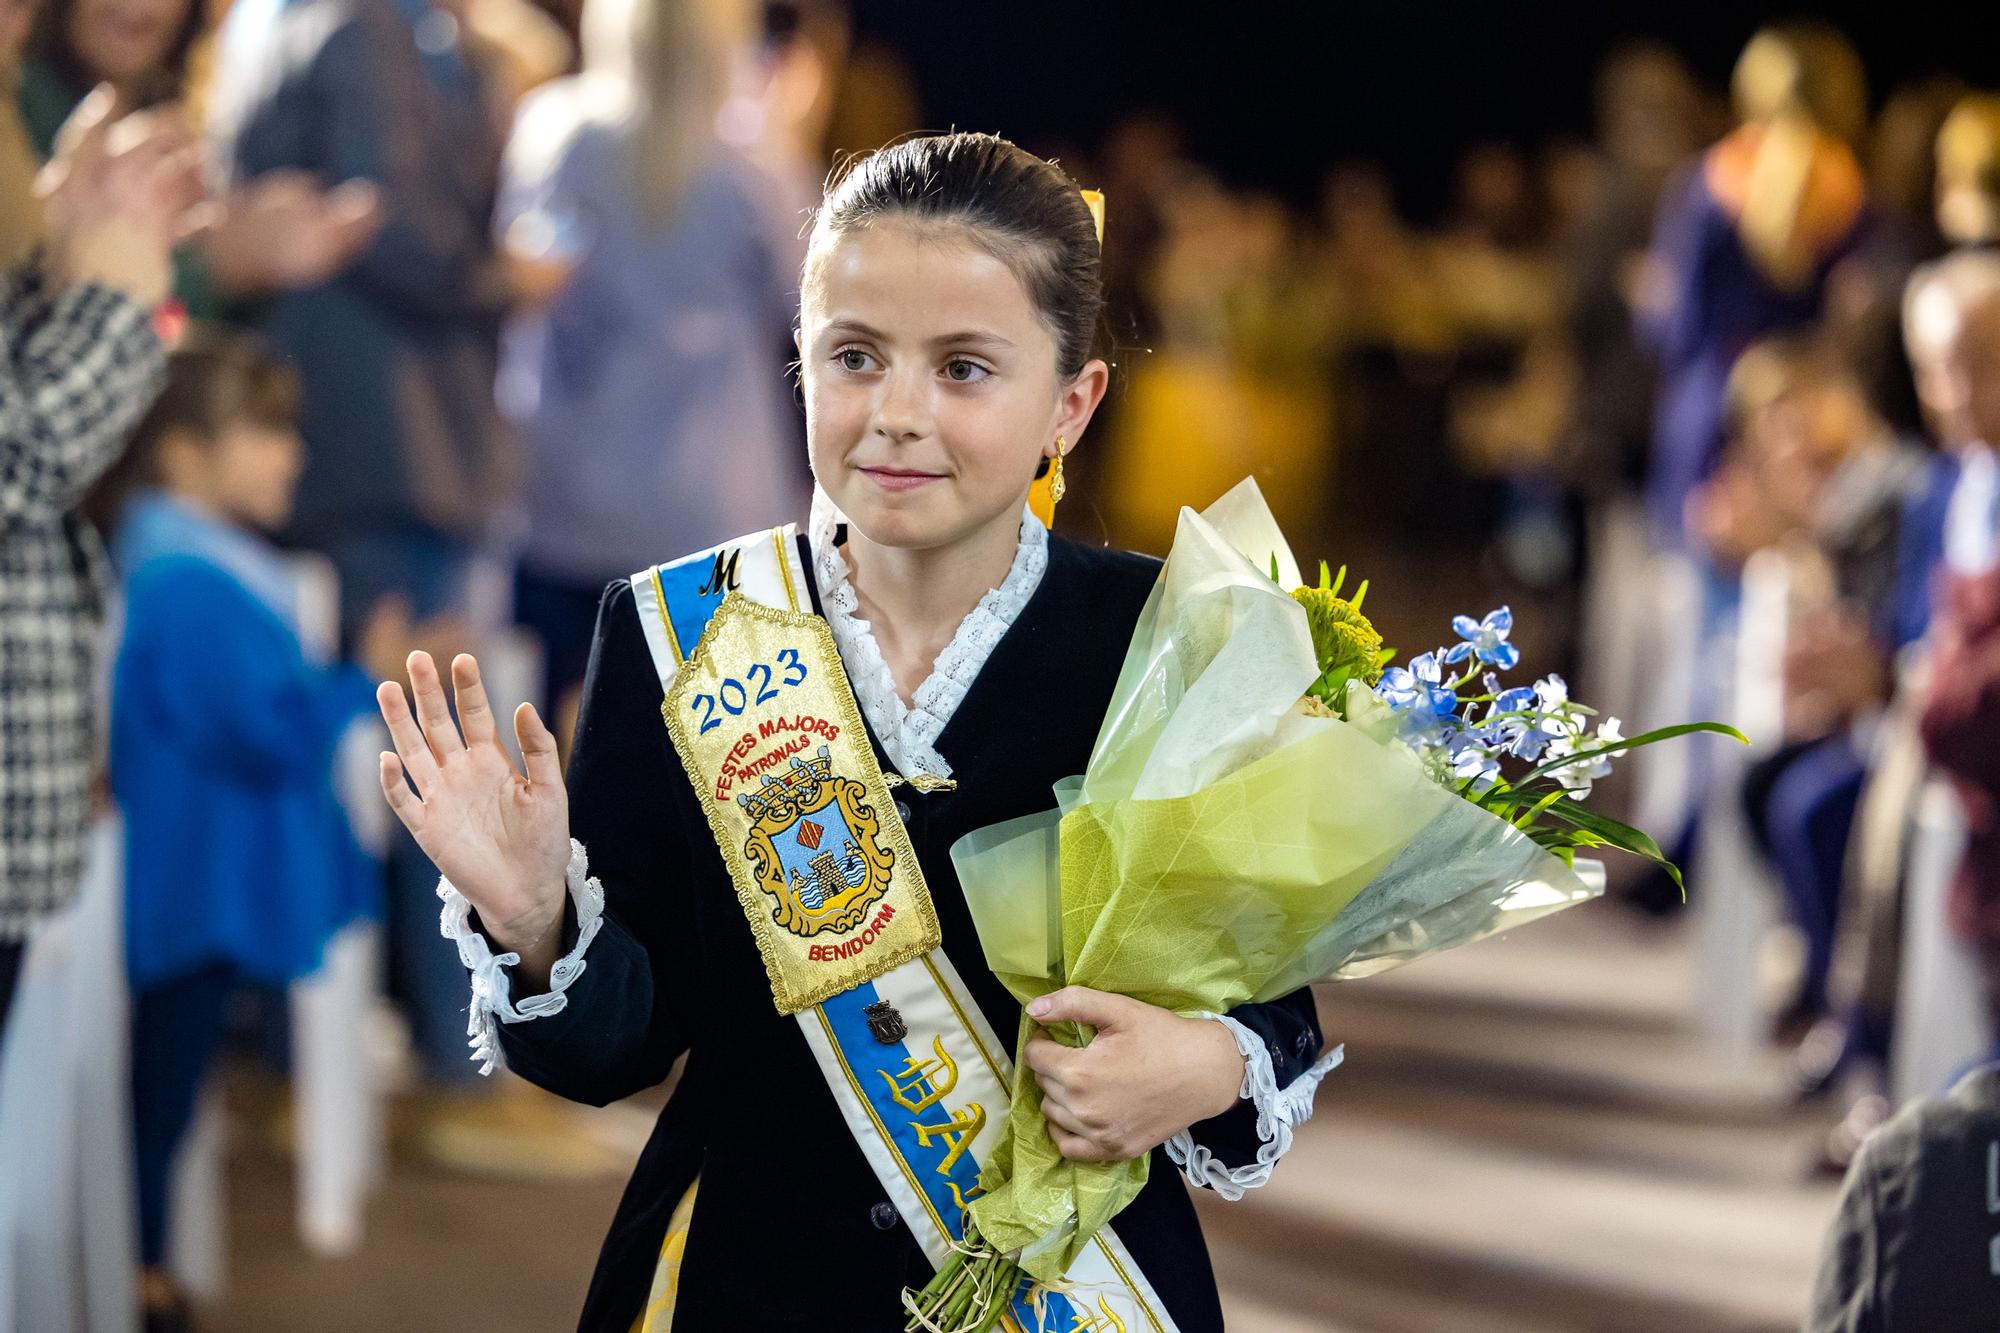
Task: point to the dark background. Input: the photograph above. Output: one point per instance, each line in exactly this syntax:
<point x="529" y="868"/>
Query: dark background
<point x="1270" y="95"/>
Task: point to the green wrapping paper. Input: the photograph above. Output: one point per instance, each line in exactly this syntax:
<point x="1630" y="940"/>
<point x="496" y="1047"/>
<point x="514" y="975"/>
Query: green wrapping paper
<point x="1223" y="847"/>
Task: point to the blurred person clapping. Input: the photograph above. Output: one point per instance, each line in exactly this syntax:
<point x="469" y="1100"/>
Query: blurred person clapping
<point x="79" y="362"/>
<point x="274" y="232"/>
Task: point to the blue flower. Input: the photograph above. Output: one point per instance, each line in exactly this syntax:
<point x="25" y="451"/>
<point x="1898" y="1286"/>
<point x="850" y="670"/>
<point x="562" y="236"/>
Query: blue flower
<point x="1486" y="639"/>
<point x="1427" y="705"/>
<point x="1420" y="687"/>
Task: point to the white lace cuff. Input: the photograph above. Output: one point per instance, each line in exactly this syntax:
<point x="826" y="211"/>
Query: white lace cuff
<point x="492" y="984"/>
<point x="1279" y="1111"/>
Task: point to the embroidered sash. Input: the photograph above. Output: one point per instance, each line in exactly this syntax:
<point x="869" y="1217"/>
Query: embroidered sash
<point x="766" y="724"/>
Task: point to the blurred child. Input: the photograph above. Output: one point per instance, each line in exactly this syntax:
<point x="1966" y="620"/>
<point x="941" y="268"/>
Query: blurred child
<point x="240" y="865"/>
<point x="1815" y="472"/>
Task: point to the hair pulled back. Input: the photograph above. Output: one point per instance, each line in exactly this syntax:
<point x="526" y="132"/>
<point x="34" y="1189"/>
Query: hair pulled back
<point x="1024" y="211"/>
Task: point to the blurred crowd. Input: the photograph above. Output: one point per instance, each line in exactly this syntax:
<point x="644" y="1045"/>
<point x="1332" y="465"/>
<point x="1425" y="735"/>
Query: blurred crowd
<point x="480" y="306"/>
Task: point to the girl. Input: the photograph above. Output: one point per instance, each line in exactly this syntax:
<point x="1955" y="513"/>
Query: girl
<point x="239" y="862"/>
<point x="952" y="291"/>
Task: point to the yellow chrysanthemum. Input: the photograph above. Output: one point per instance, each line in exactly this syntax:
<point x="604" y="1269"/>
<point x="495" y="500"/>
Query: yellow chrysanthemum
<point x="1343" y="638"/>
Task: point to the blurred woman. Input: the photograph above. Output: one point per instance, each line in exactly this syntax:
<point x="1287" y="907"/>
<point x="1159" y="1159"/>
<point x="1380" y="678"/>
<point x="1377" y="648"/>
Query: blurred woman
<point x="661" y="272"/>
<point x="1746" y="240"/>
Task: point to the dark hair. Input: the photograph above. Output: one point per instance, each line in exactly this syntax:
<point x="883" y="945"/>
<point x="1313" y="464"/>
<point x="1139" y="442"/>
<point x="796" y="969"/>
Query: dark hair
<point x="1026" y="212"/>
<point x="50" y="43"/>
<point x="216" y="378"/>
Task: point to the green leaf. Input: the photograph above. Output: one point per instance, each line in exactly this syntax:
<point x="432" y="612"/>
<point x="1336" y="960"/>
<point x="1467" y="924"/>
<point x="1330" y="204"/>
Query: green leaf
<point x="1535" y="812"/>
<point x="1612" y="833"/>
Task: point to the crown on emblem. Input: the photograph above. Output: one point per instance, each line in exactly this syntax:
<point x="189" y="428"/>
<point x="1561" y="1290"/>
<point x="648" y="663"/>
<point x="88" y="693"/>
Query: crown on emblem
<point x="777" y="797"/>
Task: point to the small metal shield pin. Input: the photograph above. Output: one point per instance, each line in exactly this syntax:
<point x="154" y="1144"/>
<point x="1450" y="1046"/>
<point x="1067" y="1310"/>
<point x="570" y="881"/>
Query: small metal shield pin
<point x="885" y="1023"/>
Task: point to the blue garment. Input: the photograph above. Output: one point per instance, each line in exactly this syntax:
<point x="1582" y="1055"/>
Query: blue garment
<point x="1721" y="303"/>
<point x="176" y="1027"/>
<point x="222" y="744"/>
<point x="1919" y="554"/>
<point x="1809" y="798"/>
<point x="651" y="395"/>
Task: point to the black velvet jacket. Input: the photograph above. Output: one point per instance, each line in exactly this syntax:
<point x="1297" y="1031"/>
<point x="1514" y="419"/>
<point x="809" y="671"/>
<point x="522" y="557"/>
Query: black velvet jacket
<point x="791" y="1230"/>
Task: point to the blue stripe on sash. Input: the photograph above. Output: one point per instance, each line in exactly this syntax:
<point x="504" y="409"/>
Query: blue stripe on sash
<point x="864" y="1056"/>
<point x="693" y="593"/>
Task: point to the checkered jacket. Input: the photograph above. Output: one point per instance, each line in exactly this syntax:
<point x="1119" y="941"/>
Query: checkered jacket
<point x="78" y="366"/>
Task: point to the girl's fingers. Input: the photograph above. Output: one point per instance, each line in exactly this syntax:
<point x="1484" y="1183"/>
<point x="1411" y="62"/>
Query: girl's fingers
<point x="1075" y="1147"/>
<point x="1061" y="1117"/>
<point x="432" y="709"/>
<point x="1048" y="1059"/>
<point x="403" y="730"/>
<point x="475" y="714"/>
<point x="402" y="800"/>
<point x="538" y="747"/>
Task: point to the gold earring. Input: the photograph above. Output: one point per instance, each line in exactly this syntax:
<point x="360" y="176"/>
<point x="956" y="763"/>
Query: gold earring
<point x="1057" y="486"/>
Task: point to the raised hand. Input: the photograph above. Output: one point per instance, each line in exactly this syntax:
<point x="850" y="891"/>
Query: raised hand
<point x="500" y="836"/>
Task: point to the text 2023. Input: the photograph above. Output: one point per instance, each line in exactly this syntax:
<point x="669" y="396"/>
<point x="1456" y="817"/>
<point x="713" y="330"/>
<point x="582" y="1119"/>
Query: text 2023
<point x="733" y="696"/>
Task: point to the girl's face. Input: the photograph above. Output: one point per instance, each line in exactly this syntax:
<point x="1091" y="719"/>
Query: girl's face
<point x="931" y="387"/>
<point x="122" y="40"/>
<point x="247" y="475"/>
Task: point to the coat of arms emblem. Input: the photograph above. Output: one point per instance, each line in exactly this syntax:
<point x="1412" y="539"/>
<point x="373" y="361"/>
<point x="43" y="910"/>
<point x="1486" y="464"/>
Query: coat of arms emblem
<point x="815" y="847"/>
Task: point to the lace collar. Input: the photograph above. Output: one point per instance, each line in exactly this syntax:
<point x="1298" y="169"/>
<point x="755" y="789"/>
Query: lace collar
<point x="909" y="732"/>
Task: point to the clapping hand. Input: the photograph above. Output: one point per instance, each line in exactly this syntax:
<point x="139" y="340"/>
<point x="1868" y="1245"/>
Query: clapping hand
<point x="119" y="193"/>
<point x="281" y="231"/>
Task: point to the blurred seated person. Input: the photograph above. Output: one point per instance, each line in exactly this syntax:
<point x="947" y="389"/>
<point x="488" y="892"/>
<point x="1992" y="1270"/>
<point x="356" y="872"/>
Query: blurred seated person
<point x="276" y="232"/>
<point x="1817" y="474"/>
<point x="1961" y="719"/>
<point x="1968" y="172"/>
<point x="1916" y="1242"/>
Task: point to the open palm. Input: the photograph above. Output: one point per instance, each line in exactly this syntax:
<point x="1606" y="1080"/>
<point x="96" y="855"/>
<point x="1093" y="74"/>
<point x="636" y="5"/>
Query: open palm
<point x="500" y="836"/>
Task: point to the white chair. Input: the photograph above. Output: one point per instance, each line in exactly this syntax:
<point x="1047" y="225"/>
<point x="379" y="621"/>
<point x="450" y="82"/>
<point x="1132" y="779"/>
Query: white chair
<point x="1941" y="1023"/>
<point x="1734" y="902"/>
<point x="336" y="1097"/>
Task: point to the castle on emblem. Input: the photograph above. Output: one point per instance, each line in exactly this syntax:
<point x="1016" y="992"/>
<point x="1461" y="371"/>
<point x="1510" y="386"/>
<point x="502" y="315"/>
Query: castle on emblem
<point x="814" y="845"/>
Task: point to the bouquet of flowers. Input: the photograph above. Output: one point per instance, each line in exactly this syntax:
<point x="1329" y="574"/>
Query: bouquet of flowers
<point x="1269" y="804"/>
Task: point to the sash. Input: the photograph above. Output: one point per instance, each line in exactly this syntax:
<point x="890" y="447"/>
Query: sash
<point x="836" y="900"/>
